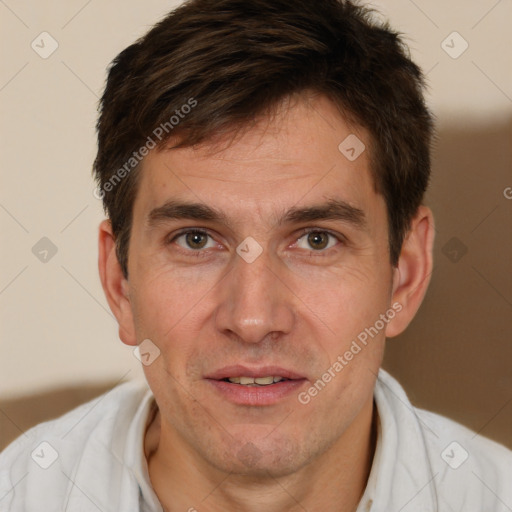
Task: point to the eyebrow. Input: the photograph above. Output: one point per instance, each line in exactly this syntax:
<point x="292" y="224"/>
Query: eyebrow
<point x="333" y="209"/>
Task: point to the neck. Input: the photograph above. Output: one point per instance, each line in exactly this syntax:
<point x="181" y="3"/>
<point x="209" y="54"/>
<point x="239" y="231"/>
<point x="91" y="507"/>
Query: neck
<point x="332" y="482"/>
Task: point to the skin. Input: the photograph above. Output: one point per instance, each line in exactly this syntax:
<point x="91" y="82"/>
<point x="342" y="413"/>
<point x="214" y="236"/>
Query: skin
<point x="299" y="305"/>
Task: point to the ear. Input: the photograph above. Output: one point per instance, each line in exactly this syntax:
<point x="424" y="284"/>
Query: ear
<point x="115" y="285"/>
<point x="412" y="275"/>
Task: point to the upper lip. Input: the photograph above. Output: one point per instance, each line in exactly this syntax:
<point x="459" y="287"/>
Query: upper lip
<point x="258" y="371"/>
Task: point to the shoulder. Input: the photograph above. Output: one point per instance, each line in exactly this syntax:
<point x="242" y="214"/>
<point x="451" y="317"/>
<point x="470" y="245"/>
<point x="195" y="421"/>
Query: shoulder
<point x="43" y="460"/>
<point x="457" y="450"/>
<point x="463" y="468"/>
<point x="77" y="425"/>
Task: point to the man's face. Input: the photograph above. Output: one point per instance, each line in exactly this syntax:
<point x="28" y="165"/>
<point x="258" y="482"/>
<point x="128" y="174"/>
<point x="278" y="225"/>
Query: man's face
<point x="216" y="312"/>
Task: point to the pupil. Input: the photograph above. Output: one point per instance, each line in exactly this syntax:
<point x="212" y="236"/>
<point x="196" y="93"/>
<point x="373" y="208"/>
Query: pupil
<point x="195" y="240"/>
<point x="318" y="240"/>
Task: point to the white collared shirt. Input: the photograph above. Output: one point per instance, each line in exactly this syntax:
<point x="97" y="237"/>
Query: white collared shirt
<point x="92" y="458"/>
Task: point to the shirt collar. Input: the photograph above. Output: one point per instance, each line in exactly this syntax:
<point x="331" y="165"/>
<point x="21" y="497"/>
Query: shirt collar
<point x="401" y="477"/>
<point x="134" y="455"/>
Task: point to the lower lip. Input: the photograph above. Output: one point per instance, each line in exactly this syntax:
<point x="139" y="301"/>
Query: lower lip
<point x="257" y="395"/>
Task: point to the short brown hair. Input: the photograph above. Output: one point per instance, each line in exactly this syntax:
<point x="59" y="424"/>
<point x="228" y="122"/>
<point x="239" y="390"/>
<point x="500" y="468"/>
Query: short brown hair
<point x="231" y="61"/>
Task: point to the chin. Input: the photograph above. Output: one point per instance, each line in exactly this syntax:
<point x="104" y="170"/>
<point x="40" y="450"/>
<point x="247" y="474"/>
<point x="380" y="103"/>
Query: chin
<point x="261" y="459"/>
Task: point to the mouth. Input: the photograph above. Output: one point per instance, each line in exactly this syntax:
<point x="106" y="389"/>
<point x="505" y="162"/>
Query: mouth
<point x="255" y="381"/>
<point x="255" y="386"/>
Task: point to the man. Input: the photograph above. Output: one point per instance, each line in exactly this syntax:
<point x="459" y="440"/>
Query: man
<point x="262" y="164"/>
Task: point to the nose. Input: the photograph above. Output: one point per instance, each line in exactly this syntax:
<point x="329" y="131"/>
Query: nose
<point x="255" y="304"/>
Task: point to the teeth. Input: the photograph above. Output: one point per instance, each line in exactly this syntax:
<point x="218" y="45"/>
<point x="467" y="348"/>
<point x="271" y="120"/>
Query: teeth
<point x="258" y="381"/>
<point x="264" y="380"/>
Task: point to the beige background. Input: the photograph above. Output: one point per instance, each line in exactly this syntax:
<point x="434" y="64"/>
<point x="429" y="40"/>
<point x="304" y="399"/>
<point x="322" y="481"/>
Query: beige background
<point x="56" y="329"/>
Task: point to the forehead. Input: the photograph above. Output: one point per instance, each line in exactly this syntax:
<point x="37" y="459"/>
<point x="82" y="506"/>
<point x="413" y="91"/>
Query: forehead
<point x="291" y="157"/>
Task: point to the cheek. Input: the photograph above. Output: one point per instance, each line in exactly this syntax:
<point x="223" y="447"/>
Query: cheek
<point x="165" y="297"/>
<point x="345" y="300"/>
<point x="170" y="308"/>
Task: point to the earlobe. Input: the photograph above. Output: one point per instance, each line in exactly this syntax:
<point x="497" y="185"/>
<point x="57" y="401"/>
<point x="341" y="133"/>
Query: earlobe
<point x="412" y="275"/>
<point x="115" y="285"/>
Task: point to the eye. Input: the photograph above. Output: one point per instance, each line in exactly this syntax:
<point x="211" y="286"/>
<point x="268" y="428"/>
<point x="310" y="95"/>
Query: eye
<point x="317" y="240"/>
<point x="194" y="240"/>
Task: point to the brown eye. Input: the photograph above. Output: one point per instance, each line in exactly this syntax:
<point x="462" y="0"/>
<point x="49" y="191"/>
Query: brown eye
<point x="196" y="240"/>
<point x="318" y="240"/>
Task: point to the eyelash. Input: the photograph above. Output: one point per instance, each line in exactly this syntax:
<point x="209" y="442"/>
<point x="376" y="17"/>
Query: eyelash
<point x="340" y="238"/>
<point x="306" y="231"/>
<point x="186" y="232"/>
